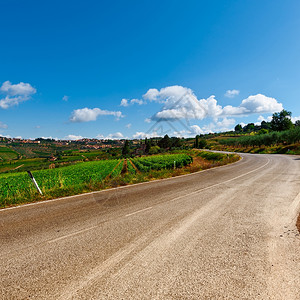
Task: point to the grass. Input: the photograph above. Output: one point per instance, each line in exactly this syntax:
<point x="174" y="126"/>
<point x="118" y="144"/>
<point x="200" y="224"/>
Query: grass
<point x="7" y="154"/>
<point x="84" y="177"/>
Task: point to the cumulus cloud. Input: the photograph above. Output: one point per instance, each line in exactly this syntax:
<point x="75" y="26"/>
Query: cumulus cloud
<point x="126" y="102"/>
<point x="261" y="104"/>
<point x="15" y="93"/>
<point x="65" y="98"/>
<point x="87" y="114"/>
<point x="255" y="104"/>
<point x="73" y="137"/>
<point x="195" y="129"/>
<point x="137" y="101"/>
<point x="3" y="126"/>
<point x="142" y="135"/>
<point x="181" y="103"/>
<point x="224" y="125"/>
<point x="267" y="119"/>
<point x="49" y="138"/>
<point x="220" y="126"/>
<point x="128" y="125"/>
<point x="294" y="119"/>
<point x="231" y="93"/>
<point x="21" y="88"/>
<point x="111" y="136"/>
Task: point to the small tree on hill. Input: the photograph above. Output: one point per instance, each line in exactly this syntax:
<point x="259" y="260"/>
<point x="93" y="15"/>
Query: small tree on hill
<point x="126" y="149"/>
<point x="281" y="121"/>
<point x="238" y="128"/>
<point x="196" y="141"/>
<point x="202" y="143"/>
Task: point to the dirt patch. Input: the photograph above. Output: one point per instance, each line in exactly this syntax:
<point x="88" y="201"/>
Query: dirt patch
<point x="298" y="223"/>
<point x="124" y="169"/>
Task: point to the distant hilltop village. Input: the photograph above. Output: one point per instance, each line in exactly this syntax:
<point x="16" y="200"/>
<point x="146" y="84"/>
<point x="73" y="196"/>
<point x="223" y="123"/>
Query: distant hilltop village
<point x="86" y="142"/>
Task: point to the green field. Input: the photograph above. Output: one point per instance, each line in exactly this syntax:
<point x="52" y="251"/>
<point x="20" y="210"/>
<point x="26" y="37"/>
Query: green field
<point x="159" y="162"/>
<point x="7" y="154"/>
<point x="16" y="188"/>
<point x="83" y="177"/>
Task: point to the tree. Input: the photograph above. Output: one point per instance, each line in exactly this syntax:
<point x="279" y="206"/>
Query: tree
<point x="148" y="145"/>
<point x="238" y="128"/>
<point x="197" y="141"/>
<point x="126" y="149"/>
<point x="297" y="123"/>
<point x="249" y="127"/>
<point x="265" y="125"/>
<point x="281" y="121"/>
<point x="202" y="143"/>
<point x="165" y="142"/>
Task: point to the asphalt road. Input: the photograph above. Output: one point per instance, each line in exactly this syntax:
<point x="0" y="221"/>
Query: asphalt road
<point x="225" y="233"/>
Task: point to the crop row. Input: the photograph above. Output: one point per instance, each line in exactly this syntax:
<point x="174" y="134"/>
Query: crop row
<point x="159" y="162"/>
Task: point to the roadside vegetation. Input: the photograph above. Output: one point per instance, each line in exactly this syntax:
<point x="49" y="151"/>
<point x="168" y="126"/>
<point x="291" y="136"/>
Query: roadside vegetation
<point x="279" y="135"/>
<point x="17" y="188"/>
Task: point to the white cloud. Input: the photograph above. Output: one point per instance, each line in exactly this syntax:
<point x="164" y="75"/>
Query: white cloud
<point x="18" y="137"/>
<point x="225" y="125"/>
<point x="137" y="101"/>
<point x="195" y="129"/>
<point x="143" y="135"/>
<point x="3" y="126"/>
<point x="111" y="136"/>
<point x="124" y="102"/>
<point x="49" y="137"/>
<point x="128" y="125"/>
<point x="181" y="103"/>
<point x="234" y="111"/>
<point x="151" y="95"/>
<point x="87" y="114"/>
<point x="261" y="104"/>
<point x="256" y="104"/>
<point x="294" y="119"/>
<point x="15" y="93"/>
<point x="147" y="120"/>
<point x="73" y="137"/>
<point x="220" y="126"/>
<point x="267" y="119"/>
<point x="65" y="98"/>
<point x="231" y="93"/>
<point x="24" y="89"/>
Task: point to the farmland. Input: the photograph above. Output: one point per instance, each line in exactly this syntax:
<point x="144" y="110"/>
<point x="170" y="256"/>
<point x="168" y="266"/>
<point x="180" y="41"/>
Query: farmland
<point x="83" y="177"/>
<point x="159" y="162"/>
<point x="18" y="187"/>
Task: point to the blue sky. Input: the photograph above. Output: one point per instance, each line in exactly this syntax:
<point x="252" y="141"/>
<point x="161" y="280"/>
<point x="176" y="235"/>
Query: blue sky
<point x="65" y="66"/>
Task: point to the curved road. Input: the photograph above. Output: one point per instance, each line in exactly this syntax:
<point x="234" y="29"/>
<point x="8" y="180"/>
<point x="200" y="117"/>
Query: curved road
<point x="225" y="233"/>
